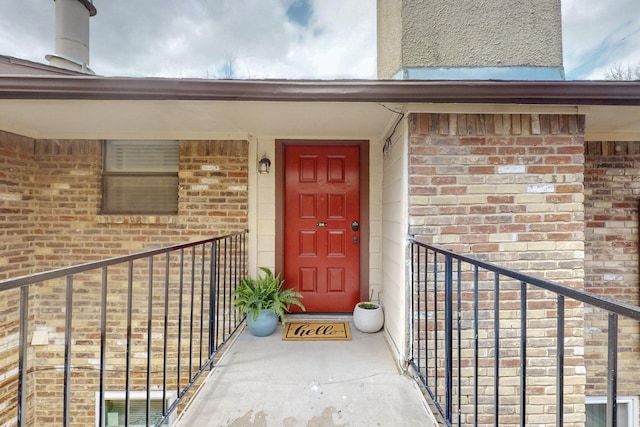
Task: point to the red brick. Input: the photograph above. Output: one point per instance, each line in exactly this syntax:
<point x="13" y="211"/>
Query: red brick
<point x="482" y="170"/>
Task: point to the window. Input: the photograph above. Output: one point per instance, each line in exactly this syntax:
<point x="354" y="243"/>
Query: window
<point x="596" y="410"/>
<point x="114" y="407"/>
<point x="140" y="177"/>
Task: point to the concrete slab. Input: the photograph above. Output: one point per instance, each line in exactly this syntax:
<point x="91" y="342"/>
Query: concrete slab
<point x="269" y="382"/>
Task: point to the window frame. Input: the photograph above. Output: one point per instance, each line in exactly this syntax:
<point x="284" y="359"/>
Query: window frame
<point x="109" y="173"/>
<point x="170" y="397"/>
<point x="631" y="401"/>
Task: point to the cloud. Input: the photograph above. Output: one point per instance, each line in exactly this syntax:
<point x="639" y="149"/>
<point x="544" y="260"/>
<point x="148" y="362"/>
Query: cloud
<point x="240" y="39"/>
<point x="599" y="34"/>
<point x="27" y="29"/>
<point x="299" y="12"/>
<point x="323" y="39"/>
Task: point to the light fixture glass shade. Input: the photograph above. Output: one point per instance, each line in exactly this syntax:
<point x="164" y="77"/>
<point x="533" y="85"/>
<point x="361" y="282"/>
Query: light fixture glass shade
<point x="264" y="164"/>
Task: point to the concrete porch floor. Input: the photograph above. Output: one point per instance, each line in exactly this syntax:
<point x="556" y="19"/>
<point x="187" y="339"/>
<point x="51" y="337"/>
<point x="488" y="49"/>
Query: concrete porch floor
<point x="264" y="382"/>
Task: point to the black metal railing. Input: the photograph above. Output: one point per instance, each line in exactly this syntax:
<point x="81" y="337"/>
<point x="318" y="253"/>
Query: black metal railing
<point x="144" y="324"/>
<point x="488" y="341"/>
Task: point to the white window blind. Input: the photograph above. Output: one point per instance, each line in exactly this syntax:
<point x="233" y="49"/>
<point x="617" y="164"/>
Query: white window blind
<point x="596" y="411"/>
<point x="142" y="156"/>
<point x="140" y="177"/>
<point x="114" y="409"/>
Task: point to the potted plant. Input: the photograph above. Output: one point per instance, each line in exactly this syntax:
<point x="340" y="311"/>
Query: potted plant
<point x="264" y="301"/>
<point x="368" y="317"/>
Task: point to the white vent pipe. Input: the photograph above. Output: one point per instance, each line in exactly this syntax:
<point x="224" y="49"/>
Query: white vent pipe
<point x="72" y="35"/>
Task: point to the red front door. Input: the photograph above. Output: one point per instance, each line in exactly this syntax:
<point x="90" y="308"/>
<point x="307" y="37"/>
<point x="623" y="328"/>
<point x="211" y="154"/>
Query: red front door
<point x="322" y="225"/>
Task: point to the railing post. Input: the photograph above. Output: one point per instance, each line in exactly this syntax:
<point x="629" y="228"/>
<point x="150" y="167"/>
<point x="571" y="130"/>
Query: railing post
<point x="149" y="336"/>
<point x="612" y="371"/>
<point x="212" y="299"/>
<point x="448" y="334"/>
<point x="523" y="354"/>
<point x="496" y="350"/>
<point x="560" y="364"/>
<point x="191" y="309"/>
<point x="103" y="343"/>
<point x="412" y="296"/>
<point x="23" y="356"/>
<point x="67" y="351"/>
<point x="127" y="386"/>
<point x="476" y="346"/>
<point x="202" y="296"/>
<point x="165" y="331"/>
<point x="459" y="341"/>
<point x="180" y="304"/>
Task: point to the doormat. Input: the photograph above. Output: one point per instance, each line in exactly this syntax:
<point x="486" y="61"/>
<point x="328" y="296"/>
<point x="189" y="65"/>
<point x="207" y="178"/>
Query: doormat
<point x="316" y="330"/>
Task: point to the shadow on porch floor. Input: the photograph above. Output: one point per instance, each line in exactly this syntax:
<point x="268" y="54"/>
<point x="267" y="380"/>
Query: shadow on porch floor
<point x="265" y="382"/>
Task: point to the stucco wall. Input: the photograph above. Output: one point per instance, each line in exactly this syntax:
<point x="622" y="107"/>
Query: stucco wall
<point x="389" y="36"/>
<point x="468" y="33"/>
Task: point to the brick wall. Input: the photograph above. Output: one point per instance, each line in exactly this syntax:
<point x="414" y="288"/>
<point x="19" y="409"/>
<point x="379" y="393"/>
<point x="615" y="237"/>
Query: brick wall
<point x="50" y="195"/>
<point x="612" y="194"/>
<point x="212" y="200"/>
<point x="508" y="188"/>
<point x="16" y="253"/>
<point x="16" y="204"/>
<point x="67" y="195"/>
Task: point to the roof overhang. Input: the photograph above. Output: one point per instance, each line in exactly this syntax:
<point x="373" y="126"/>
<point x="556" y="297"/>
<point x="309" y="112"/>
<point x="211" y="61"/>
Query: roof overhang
<point x="137" y="108"/>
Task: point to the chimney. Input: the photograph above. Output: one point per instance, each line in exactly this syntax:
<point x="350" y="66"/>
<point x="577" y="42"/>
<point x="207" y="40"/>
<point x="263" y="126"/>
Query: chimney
<point x="470" y="40"/>
<point x="72" y="35"/>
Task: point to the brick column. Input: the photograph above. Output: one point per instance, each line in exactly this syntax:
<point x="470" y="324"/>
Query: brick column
<point x="508" y="188"/>
<point x="612" y="187"/>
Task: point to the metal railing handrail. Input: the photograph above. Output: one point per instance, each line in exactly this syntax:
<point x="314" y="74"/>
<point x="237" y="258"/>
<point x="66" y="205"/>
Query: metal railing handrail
<point x="604" y="303"/>
<point x="434" y="279"/>
<point x="57" y="273"/>
<point x="221" y="264"/>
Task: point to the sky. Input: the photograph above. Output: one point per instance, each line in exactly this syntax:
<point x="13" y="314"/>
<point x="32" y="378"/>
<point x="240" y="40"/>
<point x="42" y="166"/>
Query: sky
<point x="280" y="39"/>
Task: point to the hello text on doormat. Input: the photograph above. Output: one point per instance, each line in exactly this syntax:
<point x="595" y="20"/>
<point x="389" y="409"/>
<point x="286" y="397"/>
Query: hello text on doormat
<point x="316" y="331"/>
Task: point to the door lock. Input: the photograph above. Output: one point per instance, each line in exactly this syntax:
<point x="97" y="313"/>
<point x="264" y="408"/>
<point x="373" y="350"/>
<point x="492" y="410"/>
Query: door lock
<point x="355" y="225"/>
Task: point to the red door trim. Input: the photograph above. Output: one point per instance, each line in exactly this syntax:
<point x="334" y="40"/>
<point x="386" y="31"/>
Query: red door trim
<point x="364" y="203"/>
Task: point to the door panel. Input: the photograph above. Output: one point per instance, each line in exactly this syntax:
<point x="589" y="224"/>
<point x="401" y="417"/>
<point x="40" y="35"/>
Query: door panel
<point x="321" y="251"/>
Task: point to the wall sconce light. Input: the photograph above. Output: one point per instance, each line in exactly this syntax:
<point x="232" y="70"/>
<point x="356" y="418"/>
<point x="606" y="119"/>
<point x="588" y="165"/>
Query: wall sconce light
<point x="264" y="164"/>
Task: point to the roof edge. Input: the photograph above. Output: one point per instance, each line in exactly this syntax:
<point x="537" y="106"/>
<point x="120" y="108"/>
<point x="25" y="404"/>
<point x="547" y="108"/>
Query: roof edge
<point x="399" y="91"/>
<point x="45" y="68"/>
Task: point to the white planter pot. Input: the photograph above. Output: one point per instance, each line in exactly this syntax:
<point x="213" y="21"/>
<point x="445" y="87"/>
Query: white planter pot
<point x="368" y="320"/>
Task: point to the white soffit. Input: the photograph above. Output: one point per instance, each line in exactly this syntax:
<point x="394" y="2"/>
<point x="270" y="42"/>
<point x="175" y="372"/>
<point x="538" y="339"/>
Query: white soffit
<point x="174" y="119"/>
<point x="91" y="119"/>
<point x="612" y="123"/>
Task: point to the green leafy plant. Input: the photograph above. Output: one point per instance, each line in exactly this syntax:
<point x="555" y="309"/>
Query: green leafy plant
<point x="265" y="293"/>
<point x="368" y="305"/>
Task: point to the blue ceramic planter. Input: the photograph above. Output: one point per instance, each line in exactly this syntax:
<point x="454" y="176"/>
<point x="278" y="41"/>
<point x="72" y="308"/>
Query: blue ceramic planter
<point x="264" y="325"/>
